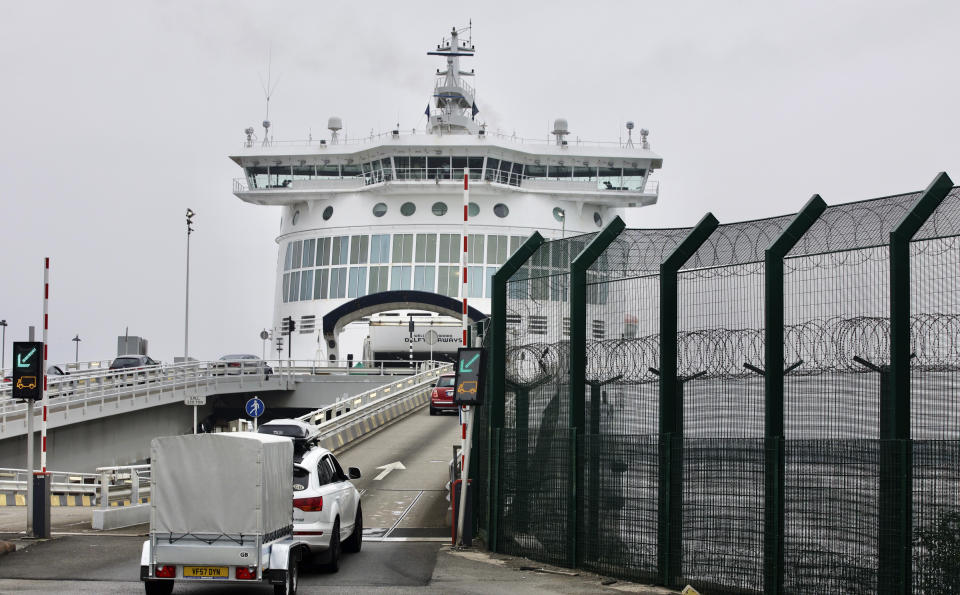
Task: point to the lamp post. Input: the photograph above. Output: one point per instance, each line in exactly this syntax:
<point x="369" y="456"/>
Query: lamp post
<point x="186" y="307"/>
<point x="3" y="346"/>
<point x="76" y="355"/>
<point x="563" y="223"/>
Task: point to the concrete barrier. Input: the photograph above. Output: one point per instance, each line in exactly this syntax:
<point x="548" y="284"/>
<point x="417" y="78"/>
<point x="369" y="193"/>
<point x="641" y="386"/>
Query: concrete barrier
<point x="105" y="519"/>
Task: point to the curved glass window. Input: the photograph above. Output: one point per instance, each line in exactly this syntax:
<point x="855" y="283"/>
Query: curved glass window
<point x="380" y="209"/>
<point x="474" y="209"/>
<point x="501" y="210"/>
<point x="439" y="209"/>
<point x="597" y="219"/>
<point x="559" y="213"/>
<point x="407" y="209"/>
<point x="327" y="213"/>
<point x="296" y="217"/>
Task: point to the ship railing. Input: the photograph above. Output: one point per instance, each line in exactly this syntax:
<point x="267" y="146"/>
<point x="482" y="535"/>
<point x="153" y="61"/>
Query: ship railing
<point x="547" y="142"/>
<point x="442" y="82"/>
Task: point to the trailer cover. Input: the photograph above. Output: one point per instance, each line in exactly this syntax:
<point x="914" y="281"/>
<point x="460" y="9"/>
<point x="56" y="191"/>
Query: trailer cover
<point x="232" y="483"/>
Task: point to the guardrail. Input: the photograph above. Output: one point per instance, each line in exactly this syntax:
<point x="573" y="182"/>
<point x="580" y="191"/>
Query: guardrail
<point x="115" y="486"/>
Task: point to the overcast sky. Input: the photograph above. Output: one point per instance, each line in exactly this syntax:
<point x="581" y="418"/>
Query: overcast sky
<point x="120" y="115"/>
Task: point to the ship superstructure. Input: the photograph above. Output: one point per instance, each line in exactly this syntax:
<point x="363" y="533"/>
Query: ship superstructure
<point x="374" y="224"/>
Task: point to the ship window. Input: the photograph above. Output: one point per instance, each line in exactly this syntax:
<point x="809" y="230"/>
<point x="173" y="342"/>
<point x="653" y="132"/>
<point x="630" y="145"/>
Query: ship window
<point x="633" y="178"/>
<point x="475" y="248"/>
<point x="327" y="213"/>
<point x="296" y="217"/>
<point x="536" y="171"/>
<point x="475" y="282"/>
<point x="559" y="172"/>
<point x="358" y="282"/>
<point x="492" y="166"/>
<point x="286" y="288"/>
<point x="597" y="219"/>
<point x="439" y="209"/>
<point x="294" y="286"/>
<point x="338" y="283"/>
<point x="303" y="172"/>
<point x="323" y="252"/>
<point x="339" y="251"/>
<point x="474" y="209"/>
<point x="426" y="247"/>
<point x="559" y="214"/>
<point x="257" y="176"/>
<point x="320" y="279"/>
<point x="497" y="249"/>
<point x="306" y="286"/>
<point x="490" y="272"/>
<point x="417" y="168"/>
<point x="423" y="278"/>
<point x="503" y="176"/>
<point x="516" y="242"/>
<point x="584" y="174"/>
<point x="402" y="247"/>
<point x="400" y="278"/>
<point x="387" y="168"/>
<point x="359" y="246"/>
<point x="501" y="210"/>
<point x="407" y="209"/>
<point x="350" y="171"/>
<point x="378" y="279"/>
<point x="438" y="168"/>
<point x="609" y="178"/>
<point x="297" y="248"/>
<point x="560" y="255"/>
<point x="328" y="171"/>
<point x="288" y="258"/>
<point x="448" y="281"/>
<point x="450" y="248"/>
<point x="380" y="248"/>
<point x="380" y="209"/>
<point x="309" y="252"/>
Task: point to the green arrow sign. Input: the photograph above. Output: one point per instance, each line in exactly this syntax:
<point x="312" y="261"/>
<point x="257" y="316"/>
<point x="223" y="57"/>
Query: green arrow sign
<point x="465" y="366"/>
<point x="24" y="362"/>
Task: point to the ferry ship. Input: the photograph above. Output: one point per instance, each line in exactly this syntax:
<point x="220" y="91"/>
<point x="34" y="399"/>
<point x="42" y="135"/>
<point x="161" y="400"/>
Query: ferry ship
<point x="372" y="225"/>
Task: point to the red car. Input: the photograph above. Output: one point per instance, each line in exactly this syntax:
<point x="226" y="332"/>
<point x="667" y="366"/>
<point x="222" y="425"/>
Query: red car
<point x="441" y="397"/>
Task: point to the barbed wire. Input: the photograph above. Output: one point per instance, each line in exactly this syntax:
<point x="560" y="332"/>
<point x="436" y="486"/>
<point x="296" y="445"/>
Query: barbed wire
<point x="827" y="345"/>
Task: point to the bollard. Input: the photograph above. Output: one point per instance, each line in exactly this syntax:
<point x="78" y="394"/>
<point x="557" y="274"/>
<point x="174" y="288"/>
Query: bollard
<point x="134" y="487"/>
<point x="104" y="500"/>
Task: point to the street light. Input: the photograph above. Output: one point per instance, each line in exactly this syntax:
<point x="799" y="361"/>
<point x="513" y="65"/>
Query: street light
<point x="563" y="220"/>
<point x="3" y="346"/>
<point x="186" y="307"/>
<point x="76" y="340"/>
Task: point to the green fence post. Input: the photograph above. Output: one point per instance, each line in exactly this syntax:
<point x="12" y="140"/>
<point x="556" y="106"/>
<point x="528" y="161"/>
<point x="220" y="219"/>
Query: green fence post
<point x="670" y="490"/>
<point x="578" y="374"/>
<point x="773" y="379"/>
<point x="896" y="480"/>
<point x="498" y="363"/>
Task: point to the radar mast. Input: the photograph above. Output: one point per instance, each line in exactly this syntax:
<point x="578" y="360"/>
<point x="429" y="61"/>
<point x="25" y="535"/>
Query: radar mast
<point x="453" y="106"/>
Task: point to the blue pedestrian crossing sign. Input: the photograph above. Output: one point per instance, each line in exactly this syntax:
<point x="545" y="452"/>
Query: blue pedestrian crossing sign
<point x="254" y="407"/>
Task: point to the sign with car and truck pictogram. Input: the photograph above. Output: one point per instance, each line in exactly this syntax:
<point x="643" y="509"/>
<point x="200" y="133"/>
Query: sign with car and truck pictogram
<point x="27" y="370"/>
<point x="470" y="369"/>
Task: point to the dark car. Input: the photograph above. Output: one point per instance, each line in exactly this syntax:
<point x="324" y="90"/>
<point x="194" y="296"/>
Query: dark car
<point x="127" y="362"/>
<point x="441" y="397"/>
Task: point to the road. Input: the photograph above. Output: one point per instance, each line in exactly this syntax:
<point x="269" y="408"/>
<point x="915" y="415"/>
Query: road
<point x="405" y="515"/>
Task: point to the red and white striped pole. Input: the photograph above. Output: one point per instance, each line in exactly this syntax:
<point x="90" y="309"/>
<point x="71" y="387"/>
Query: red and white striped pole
<point x="466" y="419"/>
<point x="46" y="328"/>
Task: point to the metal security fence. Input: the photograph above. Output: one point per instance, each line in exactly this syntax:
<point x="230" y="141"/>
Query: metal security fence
<point x="770" y="406"/>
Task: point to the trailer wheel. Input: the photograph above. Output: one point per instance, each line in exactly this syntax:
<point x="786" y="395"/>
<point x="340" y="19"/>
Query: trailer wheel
<point x="158" y="587"/>
<point x="289" y="586"/>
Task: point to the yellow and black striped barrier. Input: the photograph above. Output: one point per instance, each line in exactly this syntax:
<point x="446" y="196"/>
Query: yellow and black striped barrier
<point x="57" y="500"/>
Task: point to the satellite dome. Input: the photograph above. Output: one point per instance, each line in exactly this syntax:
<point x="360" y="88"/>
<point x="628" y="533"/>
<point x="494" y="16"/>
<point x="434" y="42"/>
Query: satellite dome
<point x="560" y="126"/>
<point x="335" y="123"/>
<point x="629" y="125"/>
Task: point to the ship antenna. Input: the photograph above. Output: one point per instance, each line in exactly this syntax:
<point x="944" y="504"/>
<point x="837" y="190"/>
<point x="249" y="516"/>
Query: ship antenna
<point x="268" y="90"/>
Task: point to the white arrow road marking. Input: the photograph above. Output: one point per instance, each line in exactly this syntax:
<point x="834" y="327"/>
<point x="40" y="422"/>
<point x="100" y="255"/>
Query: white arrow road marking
<point x="387" y="469"/>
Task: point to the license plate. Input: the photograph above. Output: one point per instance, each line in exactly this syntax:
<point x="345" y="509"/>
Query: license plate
<point x="206" y="571"/>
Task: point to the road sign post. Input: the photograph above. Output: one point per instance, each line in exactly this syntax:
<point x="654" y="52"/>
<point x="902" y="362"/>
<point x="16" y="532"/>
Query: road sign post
<point x="254" y="408"/>
<point x="431" y="337"/>
<point x="195" y="401"/>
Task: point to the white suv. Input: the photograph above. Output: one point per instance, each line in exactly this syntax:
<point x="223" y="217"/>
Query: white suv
<point x="326" y="507"/>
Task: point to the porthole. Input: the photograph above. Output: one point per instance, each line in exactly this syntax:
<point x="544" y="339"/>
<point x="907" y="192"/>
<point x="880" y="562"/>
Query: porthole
<point x="597" y="219"/>
<point x="439" y="209"/>
<point x="559" y="214"/>
<point x="501" y="210"/>
<point x="407" y="209"/>
<point x="327" y="213"/>
<point x="474" y="209"/>
<point x="380" y="209"/>
<point x="296" y="217"/>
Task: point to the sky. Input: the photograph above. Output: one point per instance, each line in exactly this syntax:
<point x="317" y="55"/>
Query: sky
<point x="120" y="116"/>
